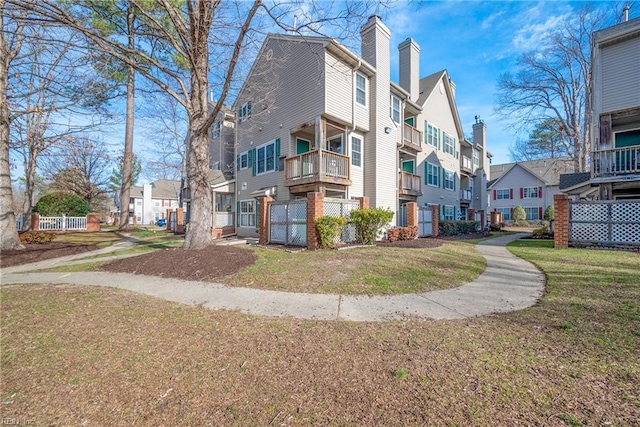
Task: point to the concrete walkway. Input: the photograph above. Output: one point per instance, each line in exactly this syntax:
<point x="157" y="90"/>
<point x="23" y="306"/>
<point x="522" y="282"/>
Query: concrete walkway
<point x="508" y="283"/>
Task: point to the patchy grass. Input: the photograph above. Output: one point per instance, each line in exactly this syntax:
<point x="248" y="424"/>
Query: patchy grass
<point x="370" y="270"/>
<point x="570" y="360"/>
<point x="100" y="239"/>
<point x="142" y="247"/>
<point x="71" y="268"/>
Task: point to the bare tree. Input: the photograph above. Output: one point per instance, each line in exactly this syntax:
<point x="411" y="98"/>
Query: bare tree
<point x="82" y="167"/>
<point x="10" y="44"/>
<point x="47" y="82"/>
<point x="182" y="39"/>
<point x="555" y="82"/>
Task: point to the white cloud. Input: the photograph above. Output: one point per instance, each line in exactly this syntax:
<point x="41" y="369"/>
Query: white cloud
<point x="488" y="21"/>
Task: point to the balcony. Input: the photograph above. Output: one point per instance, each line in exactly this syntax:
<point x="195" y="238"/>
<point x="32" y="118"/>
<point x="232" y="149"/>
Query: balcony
<point x="317" y="167"/>
<point x="615" y="162"/>
<point x="410" y="184"/>
<point x="466" y="165"/>
<point x="411" y="138"/>
<point x="466" y="196"/>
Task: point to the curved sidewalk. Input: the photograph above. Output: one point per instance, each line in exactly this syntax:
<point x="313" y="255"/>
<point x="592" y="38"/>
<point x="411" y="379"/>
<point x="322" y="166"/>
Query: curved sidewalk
<point x="507" y="284"/>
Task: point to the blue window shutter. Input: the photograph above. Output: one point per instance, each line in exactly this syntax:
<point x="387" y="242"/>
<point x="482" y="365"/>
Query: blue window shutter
<point x="238" y="213"/>
<point x="238" y="163"/>
<point x="426" y="173"/>
<point x="248" y="108"/>
<point x="253" y="161"/>
<point x="277" y="155"/>
<point x="455" y="178"/>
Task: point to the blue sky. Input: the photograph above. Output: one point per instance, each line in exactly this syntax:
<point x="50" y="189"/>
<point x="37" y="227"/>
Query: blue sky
<point x="476" y="41"/>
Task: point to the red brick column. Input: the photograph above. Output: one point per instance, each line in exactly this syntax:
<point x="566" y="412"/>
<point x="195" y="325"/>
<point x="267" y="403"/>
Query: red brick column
<point x="168" y="218"/>
<point x="364" y="202"/>
<point x="561" y="223"/>
<point x="35" y="221"/>
<point x="496" y="217"/>
<point x="412" y="214"/>
<point x="263" y="219"/>
<point x="470" y="214"/>
<point x="179" y="220"/>
<point x="435" y="219"/>
<point x="93" y="222"/>
<point x="315" y="209"/>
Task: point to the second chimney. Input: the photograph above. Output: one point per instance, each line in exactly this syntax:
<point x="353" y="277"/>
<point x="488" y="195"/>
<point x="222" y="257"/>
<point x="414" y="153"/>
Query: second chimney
<point x="409" y="61"/>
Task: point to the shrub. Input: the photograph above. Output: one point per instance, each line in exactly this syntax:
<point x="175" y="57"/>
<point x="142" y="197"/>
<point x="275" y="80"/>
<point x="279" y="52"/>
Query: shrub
<point x="452" y="228"/>
<point x="496" y="227"/>
<point x="549" y="213"/>
<point x="518" y="215"/>
<point x="39" y="237"/>
<point x="402" y="233"/>
<point x="59" y="203"/>
<point x="368" y="223"/>
<point x="329" y="228"/>
<point x="540" y="232"/>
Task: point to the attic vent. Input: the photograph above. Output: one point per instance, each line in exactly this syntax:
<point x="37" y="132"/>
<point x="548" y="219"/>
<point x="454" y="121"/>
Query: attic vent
<point x="269" y="54"/>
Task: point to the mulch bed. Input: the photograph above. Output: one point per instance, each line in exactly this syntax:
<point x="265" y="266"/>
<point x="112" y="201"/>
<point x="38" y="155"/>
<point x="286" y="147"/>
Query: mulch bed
<point x="210" y="263"/>
<point x="40" y="252"/>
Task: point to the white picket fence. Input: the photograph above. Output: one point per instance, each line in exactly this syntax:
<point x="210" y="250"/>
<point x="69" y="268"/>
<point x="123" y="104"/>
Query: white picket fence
<point x="63" y="223"/>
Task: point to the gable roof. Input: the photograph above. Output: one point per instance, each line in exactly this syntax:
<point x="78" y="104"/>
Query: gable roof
<point x="428" y="85"/>
<point x="165" y="189"/>
<point x="546" y="170"/>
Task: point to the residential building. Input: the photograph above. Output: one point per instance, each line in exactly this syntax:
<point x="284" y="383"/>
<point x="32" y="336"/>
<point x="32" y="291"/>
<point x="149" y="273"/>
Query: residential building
<point x="312" y="116"/>
<point x="530" y="184"/>
<point x="615" y="125"/>
<point x="150" y="202"/>
<point x="222" y="149"/>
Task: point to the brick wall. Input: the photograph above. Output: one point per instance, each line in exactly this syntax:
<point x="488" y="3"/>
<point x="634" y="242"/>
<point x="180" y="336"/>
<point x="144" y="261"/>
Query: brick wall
<point x="435" y="220"/>
<point x="412" y="214"/>
<point x="561" y="221"/>
<point x="263" y="219"/>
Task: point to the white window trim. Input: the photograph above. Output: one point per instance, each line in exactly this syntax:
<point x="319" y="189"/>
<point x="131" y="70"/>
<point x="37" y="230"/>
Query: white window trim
<point x="356" y="89"/>
<point x="244" y="112"/>
<point x="452" y="150"/>
<point x="361" y="139"/>
<point x="247" y="214"/>
<point x="451" y="216"/>
<point x="435" y="132"/>
<point x="453" y="180"/>
<point x="243" y="154"/>
<point x="527" y="190"/>
<point x="437" y="174"/>
<point x="265" y="145"/>
<point x="502" y="210"/>
<point x="508" y="190"/>
<point x="393" y="110"/>
<point x="216" y="129"/>
<point x="536" y="209"/>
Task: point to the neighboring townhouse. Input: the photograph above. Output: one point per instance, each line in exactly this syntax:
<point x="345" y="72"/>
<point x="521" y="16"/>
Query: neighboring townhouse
<point x="530" y="184"/>
<point x="312" y="116"/>
<point x="222" y="145"/>
<point x="615" y="127"/>
<point x="150" y="202"/>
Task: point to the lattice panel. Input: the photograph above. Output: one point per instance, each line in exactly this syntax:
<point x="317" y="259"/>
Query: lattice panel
<point x="626" y="233"/>
<point x="349" y="233"/>
<point x="625" y="212"/>
<point x="278" y="213"/>
<point x="297" y="212"/>
<point x="589" y="212"/>
<point x="278" y="233"/>
<point x="297" y="234"/>
<point x="339" y="208"/>
<point x="592" y="232"/>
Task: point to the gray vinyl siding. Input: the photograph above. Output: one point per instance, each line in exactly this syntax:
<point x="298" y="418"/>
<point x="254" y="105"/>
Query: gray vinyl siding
<point x="291" y="88"/>
<point x="381" y="168"/>
<point x="518" y="178"/>
<point x="620" y="75"/>
<point x="438" y="112"/>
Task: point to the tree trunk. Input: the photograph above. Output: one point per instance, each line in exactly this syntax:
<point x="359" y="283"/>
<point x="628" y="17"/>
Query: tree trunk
<point x="8" y="232"/>
<point x="30" y="183"/>
<point x="125" y="188"/>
